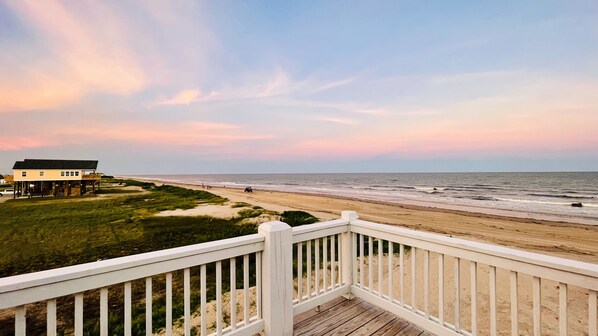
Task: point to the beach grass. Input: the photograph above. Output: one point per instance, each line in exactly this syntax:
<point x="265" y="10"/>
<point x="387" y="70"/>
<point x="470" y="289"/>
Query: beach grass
<point x="61" y="231"/>
<point x="57" y="232"/>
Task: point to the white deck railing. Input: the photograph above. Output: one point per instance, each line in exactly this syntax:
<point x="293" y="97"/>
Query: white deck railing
<point x="301" y="268"/>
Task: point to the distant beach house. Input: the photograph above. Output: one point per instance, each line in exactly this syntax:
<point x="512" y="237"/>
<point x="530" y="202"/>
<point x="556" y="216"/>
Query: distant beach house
<point x="55" y="177"/>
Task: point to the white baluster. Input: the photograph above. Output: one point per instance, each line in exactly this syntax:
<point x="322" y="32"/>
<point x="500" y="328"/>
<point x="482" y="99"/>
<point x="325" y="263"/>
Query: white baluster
<point x="233" y="293"/>
<point x="104" y="311"/>
<point x="51" y="317"/>
<point x="187" y="300"/>
<point x="473" y="272"/>
<point x="562" y="309"/>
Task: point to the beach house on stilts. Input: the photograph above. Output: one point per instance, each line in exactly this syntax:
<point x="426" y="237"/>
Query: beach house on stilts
<point x="36" y="177"/>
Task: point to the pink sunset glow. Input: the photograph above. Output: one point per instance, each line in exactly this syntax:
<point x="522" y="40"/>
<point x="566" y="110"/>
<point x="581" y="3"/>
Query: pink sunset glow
<point x="161" y="77"/>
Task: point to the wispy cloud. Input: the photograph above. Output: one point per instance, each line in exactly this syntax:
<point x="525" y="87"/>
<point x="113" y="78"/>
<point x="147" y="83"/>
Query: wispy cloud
<point x="335" y="120"/>
<point x="82" y="49"/>
<point x="334" y="84"/>
<point x="186" y="97"/>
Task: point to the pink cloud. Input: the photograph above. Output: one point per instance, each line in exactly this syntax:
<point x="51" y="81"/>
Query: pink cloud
<point x="82" y="48"/>
<point x="187" y="97"/>
<point x="180" y="134"/>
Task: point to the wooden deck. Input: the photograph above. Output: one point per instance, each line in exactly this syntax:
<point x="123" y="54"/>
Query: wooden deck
<point x="353" y="317"/>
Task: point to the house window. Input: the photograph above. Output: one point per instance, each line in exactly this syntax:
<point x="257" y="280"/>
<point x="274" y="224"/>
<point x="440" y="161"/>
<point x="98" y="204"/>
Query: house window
<point x="72" y="173"/>
<point x="62" y="173"/>
<point x="77" y="173"/>
<point x="23" y="174"/>
<point x="41" y="173"/>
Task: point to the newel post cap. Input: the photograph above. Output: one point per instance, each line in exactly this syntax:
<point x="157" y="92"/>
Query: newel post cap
<point x="274" y="226"/>
<point x="349" y="215"/>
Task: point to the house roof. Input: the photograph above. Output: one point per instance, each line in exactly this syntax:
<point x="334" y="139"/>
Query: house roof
<point x="56" y="164"/>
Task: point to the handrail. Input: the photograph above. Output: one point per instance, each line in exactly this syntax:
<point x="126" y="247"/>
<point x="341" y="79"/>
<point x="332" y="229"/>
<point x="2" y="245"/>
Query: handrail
<point x="20" y="289"/>
<point x="332" y="258"/>
<point x="550" y="267"/>
<point x="319" y="230"/>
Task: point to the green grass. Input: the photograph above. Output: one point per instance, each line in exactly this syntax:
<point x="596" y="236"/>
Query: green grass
<point x="56" y="232"/>
<point x="44" y="233"/>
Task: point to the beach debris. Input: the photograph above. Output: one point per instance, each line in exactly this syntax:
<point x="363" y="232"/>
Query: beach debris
<point x="248" y="189"/>
<point x="577" y="204"/>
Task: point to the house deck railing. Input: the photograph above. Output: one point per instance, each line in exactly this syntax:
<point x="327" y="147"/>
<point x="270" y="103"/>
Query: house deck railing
<point x="445" y="285"/>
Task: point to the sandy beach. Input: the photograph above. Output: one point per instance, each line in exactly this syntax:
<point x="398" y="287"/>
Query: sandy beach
<point x="568" y="240"/>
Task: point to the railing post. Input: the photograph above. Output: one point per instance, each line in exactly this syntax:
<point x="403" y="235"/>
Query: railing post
<point x="277" y="278"/>
<point x="347" y="242"/>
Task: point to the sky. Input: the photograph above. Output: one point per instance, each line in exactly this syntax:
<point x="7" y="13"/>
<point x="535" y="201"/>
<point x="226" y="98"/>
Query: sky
<point x="165" y="87"/>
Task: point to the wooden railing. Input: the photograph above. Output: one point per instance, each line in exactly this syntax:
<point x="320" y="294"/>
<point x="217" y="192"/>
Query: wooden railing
<point x="503" y="309"/>
<point x="287" y="271"/>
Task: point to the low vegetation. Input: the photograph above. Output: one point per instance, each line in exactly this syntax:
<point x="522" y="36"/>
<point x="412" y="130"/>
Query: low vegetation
<point x="56" y="232"/>
<point x="297" y="218"/>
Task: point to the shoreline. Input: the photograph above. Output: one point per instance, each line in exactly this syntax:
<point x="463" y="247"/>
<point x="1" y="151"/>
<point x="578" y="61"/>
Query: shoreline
<point x="415" y="205"/>
<point x="559" y="238"/>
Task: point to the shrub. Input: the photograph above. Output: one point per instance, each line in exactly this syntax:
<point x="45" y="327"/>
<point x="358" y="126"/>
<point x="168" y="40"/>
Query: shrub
<point x="297" y="218"/>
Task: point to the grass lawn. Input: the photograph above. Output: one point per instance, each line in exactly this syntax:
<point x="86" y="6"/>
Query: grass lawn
<point x="56" y="232"/>
<point x="43" y="233"/>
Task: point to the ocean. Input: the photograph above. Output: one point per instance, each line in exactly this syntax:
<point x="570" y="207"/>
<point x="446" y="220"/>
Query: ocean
<point x="533" y="195"/>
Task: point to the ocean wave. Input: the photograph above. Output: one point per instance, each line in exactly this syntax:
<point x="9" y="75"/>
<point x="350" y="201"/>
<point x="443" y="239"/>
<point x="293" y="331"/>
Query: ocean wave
<point x="561" y="196"/>
<point x="479" y="198"/>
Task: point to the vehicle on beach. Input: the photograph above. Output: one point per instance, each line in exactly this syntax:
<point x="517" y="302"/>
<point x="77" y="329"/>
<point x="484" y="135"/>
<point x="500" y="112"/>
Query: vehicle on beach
<point x="7" y="192"/>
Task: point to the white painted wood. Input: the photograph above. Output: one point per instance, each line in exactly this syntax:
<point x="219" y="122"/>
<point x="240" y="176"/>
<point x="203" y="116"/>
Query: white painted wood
<point x="317" y="273"/>
<point x="233" y="293"/>
<point x="348" y="254"/>
<point x="492" y="285"/>
<point x="246" y="289"/>
<point x="441" y="289"/>
<point x="318" y="230"/>
<point x="259" y="285"/>
<point x="333" y="261"/>
<point x="203" y="303"/>
<point x="40" y="286"/>
<point x="104" y="311"/>
<point x="427" y="283"/>
<point x="361" y="261"/>
<point x="514" y="287"/>
<point x="457" y="280"/>
<point x="380" y="267"/>
<point x="350" y="276"/>
<point x="20" y="321"/>
<point x="127" y="309"/>
<point x="413" y="278"/>
<point x="592" y="314"/>
<point x="407" y="314"/>
<point x="320" y="300"/>
<point x="219" y="298"/>
<point x="187" y="301"/>
<point x="168" y="284"/>
<point x="402" y="271"/>
<point x="300" y="271"/>
<point x="51" y="317"/>
<point x="370" y="264"/>
<point x="563" y="309"/>
<point x="547" y="267"/>
<point x="148" y="306"/>
<point x="309" y="266"/>
<point x="473" y="273"/>
<point x="390" y="270"/>
<point x="255" y="327"/>
<point x="536" y="294"/>
<point x="277" y="271"/>
<point x="79" y="314"/>
<point x="325" y="264"/>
